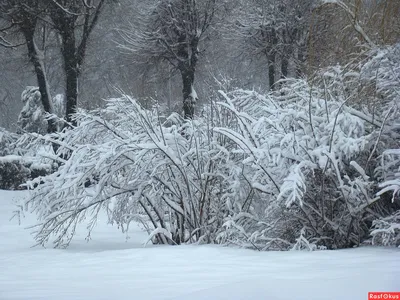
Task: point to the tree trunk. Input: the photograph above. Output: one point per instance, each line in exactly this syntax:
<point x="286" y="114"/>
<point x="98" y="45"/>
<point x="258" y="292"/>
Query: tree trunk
<point x="271" y="55"/>
<point x="271" y="71"/>
<point x="71" y="73"/>
<point x="188" y="101"/>
<point x="71" y="93"/>
<point x="40" y="76"/>
<point x="284" y="66"/>
<point x="300" y="61"/>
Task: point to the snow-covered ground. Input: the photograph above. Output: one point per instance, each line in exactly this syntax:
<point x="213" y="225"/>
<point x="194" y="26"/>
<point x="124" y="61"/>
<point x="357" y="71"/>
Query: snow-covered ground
<point x="109" y="267"/>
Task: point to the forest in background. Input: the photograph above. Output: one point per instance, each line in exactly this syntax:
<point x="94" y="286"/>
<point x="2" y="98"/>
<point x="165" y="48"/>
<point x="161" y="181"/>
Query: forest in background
<point x="237" y="49"/>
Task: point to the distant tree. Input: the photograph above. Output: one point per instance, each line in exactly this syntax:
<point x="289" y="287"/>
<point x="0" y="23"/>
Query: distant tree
<point x="277" y="30"/>
<point x="74" y="20"/>
<point x="345" y="29"/>
<point x="31" y="118"/>
<point x="22" y="17"/>
<point x="172" y="31"/>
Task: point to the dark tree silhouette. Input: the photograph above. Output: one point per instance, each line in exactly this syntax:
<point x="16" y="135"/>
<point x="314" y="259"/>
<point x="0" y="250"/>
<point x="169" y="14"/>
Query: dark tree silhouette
<point x="172" y="32"/>
<point x="23" y="17"/>
<point x="74" y="20"/>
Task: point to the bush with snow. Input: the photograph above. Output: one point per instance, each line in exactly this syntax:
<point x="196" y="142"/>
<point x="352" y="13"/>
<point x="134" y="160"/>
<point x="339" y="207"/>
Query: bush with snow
<point x="11" y="174"/>
<point x="19" y="160"/>
<point x="386" y="230"/>
<point x="305" y="156"/>
<point x="7" y="140"/>
<point x="124" y="160"/>
<point x="16" y="170"/>
<point x="305" y="167"/>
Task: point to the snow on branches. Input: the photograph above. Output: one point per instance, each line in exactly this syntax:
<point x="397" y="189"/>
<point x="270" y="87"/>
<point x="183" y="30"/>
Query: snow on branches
<point x="304" y="167"/>
<point x="126" y="160"/>
<point x="33" y="117"/>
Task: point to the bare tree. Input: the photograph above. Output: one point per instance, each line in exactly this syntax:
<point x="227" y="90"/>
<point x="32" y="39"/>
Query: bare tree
<point x="172" y="32"/>
<point x="345" y="29"/>
<point x="277" y="30"/>
<point x="74" y="20"/>
<point x="23" y="17"/>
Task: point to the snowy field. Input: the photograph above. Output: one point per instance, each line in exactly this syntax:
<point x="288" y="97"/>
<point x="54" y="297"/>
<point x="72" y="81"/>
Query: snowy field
<point x="109" y="267"/>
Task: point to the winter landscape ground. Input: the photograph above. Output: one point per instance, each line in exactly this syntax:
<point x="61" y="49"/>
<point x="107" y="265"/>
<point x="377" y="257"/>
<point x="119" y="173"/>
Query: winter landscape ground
<point x="111" y="267"/>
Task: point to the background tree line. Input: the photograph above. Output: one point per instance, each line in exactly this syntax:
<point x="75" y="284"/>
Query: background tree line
<point x="85" y="49"/>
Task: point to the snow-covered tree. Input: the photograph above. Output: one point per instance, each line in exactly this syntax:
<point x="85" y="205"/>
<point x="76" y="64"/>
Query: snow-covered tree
<point x="172" y="31"/>
<point x="74" y="21"/>
<point x="23" y="17"/>
<point x="32" y="116"/>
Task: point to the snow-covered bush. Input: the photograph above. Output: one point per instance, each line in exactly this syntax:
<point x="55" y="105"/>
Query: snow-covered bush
<point x="386" y="231"/>
<point x="332" y="134"/>
<point x="12" y="172"/>
<point x="7" y="140"/>
<point x="305" y="156"/>
<point x="380" y="79"/>
<point x="259" y="171"/>
<point x="304" y="167"/>
<point x="21" y="160"/>
<point x="16" y="170"/>
<point x="124" y="160"/>
<point x="384" y="71"/>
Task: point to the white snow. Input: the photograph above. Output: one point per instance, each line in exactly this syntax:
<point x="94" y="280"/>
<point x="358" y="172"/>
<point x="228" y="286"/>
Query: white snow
<point x="108" y="267"/>
<point x="328" y="1"/>
<point x="11" y="159"/>
<point x="193" y="94"/>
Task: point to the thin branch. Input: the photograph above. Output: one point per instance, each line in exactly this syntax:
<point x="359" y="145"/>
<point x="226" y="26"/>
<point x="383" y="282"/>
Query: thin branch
<point x="65" y="9"/>
<point x="7" y="44"/>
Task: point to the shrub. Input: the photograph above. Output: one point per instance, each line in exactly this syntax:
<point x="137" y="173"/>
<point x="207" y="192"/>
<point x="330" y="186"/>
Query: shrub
<point x="305" y="167"/>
